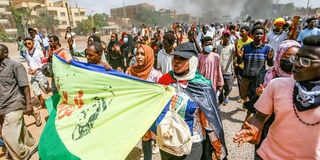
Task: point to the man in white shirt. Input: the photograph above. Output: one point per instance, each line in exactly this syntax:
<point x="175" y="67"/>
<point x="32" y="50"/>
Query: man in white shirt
<point x="34" y="59"/>
<point x="38" y="43"/>
<point x="164" y="56"/>
<point x="226" y="52"/>
<point x="46" y="45"/>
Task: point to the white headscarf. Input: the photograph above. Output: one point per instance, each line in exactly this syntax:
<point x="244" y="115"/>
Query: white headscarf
<point x="193" y="65"/>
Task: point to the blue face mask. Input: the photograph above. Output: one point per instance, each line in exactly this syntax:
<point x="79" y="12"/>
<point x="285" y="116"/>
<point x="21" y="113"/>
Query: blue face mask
<point x="208" y="49"/>
<point x="125" y="40"/>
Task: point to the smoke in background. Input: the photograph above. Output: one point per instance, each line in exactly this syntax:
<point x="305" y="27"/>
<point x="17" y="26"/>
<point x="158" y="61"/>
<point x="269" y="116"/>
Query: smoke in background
<point x="259" y="9"/>
<point x="219" y="9"/>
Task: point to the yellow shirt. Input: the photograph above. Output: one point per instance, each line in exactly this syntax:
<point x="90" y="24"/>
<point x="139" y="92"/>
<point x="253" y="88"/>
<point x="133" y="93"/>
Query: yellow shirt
<point x="240" y="44"/>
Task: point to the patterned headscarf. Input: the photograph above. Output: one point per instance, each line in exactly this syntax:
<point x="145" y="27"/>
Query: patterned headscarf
<point x="276" y="70"/>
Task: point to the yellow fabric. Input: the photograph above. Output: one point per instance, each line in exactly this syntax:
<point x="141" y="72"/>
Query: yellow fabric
<point x="240" y="44"/>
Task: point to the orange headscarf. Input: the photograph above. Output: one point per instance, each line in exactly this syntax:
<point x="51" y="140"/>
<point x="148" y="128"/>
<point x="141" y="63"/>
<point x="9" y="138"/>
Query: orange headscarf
<point x="143" y="71"/>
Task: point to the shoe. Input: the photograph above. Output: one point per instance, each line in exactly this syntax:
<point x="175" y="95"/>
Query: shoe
<point x="225" y="102"/>
<point x="37" y="118"/>
<point x="239" y="100"/>
<point x="155" y="148"/>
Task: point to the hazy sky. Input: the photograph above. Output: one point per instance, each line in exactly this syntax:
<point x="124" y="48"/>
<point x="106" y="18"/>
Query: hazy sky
<point x="99" y="6"/>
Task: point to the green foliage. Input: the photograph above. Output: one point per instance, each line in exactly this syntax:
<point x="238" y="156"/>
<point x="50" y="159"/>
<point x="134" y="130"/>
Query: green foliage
<point x="151" y="17"/>
<point x="46" y="21"/>
<point x="21" y="18"/>
<point x="84" y="27"/>
<point x="100" y="20"/>
<point x="3" y="35"/>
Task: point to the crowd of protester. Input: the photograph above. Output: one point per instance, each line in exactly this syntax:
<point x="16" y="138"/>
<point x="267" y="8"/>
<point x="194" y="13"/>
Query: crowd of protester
<point x="276" y="65"/>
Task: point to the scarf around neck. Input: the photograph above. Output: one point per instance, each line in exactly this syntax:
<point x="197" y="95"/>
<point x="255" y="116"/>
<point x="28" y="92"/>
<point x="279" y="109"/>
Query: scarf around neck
<point x="306" y="95"/>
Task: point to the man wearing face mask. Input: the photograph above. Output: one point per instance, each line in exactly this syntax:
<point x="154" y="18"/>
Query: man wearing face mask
<point x="210" y="64"/>
<point x="277" y="35"/>
<point x="226" y="50"/>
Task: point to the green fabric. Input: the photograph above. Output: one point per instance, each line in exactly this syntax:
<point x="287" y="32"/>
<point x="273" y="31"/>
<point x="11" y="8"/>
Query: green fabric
<point x="198" y="78"/>
<point x="100" y="115"/>
<point x="78" y="53"/>
<point x="50" y="140"/>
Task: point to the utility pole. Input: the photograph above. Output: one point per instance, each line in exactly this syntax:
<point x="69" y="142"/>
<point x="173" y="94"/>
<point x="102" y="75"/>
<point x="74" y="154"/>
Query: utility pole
<point x="308" y="7"/>
<point x="92" y="21"/>
<point x="124" y="10"/>
<point x="124" y="13"/>
<point x="277" y="8"/>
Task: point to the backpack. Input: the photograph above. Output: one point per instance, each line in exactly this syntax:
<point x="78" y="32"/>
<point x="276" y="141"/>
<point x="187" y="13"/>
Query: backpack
<point x="173" y="133"/>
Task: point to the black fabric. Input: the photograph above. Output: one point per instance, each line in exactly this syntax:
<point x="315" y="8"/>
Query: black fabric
<point x="227" y="87"/>
<point x="286" y="65"/>
<point x="307" y="106"/>
<point x="111" y="44"/>
<point x="206" y="98"/>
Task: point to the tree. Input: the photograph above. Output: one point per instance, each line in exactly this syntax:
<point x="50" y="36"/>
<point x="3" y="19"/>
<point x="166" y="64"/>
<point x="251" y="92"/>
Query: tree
<point x="22" y="18"/>
<point x="151" y="17"/>
<point x="100" y="20"/>
<point x="3" y="35"/>
<point x="83" y="27"/>
<point x="46" y="21"/>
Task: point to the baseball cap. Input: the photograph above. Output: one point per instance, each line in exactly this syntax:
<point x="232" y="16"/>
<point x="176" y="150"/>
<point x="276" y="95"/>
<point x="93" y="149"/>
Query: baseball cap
<point x="226" y="32"/>
<point x="186" y="50"/>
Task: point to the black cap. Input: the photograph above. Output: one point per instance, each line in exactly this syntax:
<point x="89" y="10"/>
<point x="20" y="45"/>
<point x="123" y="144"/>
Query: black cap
<point x="186" y="50"/>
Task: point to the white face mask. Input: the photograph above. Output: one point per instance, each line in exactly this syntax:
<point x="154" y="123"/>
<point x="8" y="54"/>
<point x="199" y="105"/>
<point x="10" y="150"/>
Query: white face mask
<point x="125" y="40"/>
<point x="208" y="49"/>
<point x="135" y="51"/>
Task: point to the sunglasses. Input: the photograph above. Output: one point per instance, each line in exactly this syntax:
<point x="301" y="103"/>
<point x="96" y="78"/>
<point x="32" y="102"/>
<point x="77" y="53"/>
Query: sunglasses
<point x="27" y="44"/>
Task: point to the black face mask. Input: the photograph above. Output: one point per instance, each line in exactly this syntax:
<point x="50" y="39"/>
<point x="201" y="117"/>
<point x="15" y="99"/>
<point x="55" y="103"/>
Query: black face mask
<point x="286" y="65"/>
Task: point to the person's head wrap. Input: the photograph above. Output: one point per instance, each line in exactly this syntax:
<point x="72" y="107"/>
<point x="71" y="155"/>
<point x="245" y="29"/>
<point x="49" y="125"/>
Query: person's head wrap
<point x="276" y="70"/>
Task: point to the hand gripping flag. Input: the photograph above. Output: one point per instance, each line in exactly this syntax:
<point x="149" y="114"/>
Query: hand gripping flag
<point x="98" y="114"/>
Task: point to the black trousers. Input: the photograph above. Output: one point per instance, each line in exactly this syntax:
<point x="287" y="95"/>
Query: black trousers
<point x="227" y="87"/>
<point x="238" y="72"/>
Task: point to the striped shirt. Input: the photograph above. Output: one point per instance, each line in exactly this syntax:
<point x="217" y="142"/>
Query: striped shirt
<point x="255" y="59"/>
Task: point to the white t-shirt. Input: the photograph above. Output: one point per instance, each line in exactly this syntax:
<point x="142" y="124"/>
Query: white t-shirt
<point x="274" y="40"/>
<point x="45" y="41"/>
<point x="164" y="61"/>
<point x="226" y="55"/>
<point x="72" y="34"/>
<point x="37" y="42"/>
<point x="34" y="59"/>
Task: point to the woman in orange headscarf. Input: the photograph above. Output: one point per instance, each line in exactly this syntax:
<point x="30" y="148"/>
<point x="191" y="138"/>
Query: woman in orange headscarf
<point x="143" y="69"/>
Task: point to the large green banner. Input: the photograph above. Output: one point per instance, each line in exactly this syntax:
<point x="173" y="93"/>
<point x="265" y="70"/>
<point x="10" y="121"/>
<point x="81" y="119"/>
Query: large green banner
<point x="98" y="114"/>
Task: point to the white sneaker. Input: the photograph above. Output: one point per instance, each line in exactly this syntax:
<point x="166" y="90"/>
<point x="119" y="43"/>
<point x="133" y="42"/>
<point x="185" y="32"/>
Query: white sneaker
<point x="155" y="148"/>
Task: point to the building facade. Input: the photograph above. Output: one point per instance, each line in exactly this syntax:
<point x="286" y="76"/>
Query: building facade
<point x="6" y="19"/>
<point x="130" y="11"/>
<point x="171" y="13"/>
<point x="65" y="14"/>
